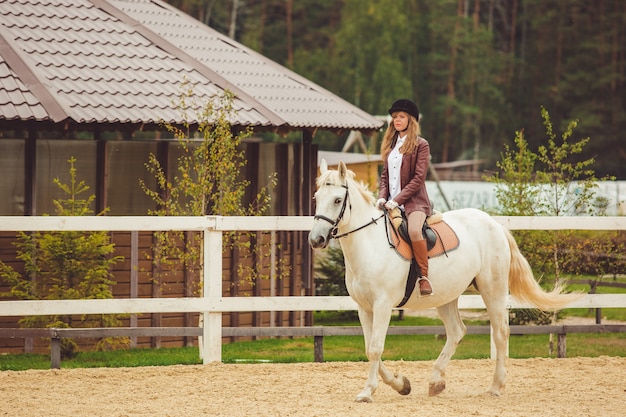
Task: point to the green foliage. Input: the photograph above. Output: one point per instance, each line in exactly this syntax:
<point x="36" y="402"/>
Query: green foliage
<point x="330" y="279"/>
<point x="529" y="316"/>
<point x="516" y="190"/>
<point x="68" y="265"/>
<point x="208" y="181"/>
<point x="477" y="69"/>
<point x="330" y="272"/>
<point x="599" y="254"/>
<point x="554" y="181"/>
<point x="571" y="181"/>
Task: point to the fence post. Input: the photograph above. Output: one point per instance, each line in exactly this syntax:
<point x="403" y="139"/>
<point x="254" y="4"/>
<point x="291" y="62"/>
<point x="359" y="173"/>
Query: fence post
<point x="561" y="345"/>
<point x="55" y="350"/>
<point x="318" y="348"/>
<point x="212" y="288"/>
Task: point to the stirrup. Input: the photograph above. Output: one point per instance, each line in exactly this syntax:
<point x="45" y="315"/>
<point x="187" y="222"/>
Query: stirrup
<point x="419" y="289"/>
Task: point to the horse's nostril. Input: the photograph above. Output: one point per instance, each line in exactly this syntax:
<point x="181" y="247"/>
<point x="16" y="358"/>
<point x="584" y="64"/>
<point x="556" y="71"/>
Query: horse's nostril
<point x="317" y="241"/>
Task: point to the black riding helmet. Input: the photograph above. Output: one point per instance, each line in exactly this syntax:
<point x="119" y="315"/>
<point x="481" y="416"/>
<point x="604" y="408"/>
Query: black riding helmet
<point x="405" y="105"/>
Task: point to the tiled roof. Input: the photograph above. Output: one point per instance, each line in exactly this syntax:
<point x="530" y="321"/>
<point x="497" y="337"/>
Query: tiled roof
<point x="125" y="61"/>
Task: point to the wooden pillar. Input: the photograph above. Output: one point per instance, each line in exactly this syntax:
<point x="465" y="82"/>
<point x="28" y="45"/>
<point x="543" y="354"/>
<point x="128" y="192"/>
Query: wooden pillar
<point x="189" y="272"/>
<point x="102" y="173"/>
<point x="155" y="318"/>
<point x="562" y="345"/>
<point x="55" y="352"/>
<point x="30" y="194"/>
<point x="318" y="348"/>
<point x="30" y="173"/>
<point x="252" y="171"/>
<point x="308" y="161"/>
<point x="256" y="240"/>
<point x="234" y="286"/>
<point x="134" y="278"/>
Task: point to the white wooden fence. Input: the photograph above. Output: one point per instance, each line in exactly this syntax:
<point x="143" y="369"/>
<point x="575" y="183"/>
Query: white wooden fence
<point x="212" y="304"/>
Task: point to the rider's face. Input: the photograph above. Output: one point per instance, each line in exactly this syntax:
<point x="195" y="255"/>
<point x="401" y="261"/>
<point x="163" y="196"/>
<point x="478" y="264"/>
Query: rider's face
<point x="400" y="121"/>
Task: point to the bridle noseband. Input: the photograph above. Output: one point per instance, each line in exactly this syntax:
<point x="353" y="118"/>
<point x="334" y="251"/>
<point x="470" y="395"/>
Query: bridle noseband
<point x="334" y="223"/>
<point x="334" y="230"/>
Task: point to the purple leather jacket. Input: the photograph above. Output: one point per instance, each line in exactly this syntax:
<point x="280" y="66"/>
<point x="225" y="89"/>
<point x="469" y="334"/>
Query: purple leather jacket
<point x="413" y="194"/>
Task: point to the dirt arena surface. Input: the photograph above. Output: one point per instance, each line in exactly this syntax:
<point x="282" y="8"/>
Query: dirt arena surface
<point x="535" y="387"/>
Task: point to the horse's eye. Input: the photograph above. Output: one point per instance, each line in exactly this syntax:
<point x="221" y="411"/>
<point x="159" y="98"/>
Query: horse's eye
<point x="337" y="200"/>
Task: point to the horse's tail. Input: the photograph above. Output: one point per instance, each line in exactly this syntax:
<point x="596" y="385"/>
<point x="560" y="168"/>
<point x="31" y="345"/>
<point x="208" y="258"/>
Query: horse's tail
<point x="525" y="289"/>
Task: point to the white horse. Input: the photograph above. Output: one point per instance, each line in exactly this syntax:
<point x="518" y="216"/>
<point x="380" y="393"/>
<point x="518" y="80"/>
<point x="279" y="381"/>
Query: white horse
<point x="376" y="275"/>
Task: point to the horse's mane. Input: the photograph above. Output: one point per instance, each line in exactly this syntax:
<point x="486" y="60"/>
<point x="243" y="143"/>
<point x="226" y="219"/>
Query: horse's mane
<point x="332" y="177"/>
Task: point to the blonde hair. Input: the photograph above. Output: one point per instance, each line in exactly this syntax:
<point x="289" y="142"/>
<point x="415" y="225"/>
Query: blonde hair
<point x="413" y="132"/>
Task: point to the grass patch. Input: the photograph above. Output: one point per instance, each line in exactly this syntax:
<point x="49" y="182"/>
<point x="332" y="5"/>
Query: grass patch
<point x="110" y="359"/>
<point x="336" y="348"/>
<point x="423" y="347"/>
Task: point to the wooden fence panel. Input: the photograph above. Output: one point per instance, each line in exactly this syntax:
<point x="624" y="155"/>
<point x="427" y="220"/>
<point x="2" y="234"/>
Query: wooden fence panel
<point x="218" y="301"/>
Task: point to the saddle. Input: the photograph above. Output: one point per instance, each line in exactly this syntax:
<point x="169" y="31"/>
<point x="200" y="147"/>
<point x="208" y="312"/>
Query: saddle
<point x="440" y="237"/>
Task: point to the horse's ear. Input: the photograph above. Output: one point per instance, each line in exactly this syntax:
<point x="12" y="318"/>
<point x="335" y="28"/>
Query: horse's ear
<point x="323" y="166"/>
<point x="343" y="170"/>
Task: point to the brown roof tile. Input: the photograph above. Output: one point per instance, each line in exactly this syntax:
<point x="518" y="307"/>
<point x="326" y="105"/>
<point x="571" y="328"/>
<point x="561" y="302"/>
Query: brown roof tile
<point x="113" y="61"/>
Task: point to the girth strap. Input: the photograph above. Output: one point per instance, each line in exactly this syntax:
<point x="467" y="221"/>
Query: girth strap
<point x="410" y="283"/>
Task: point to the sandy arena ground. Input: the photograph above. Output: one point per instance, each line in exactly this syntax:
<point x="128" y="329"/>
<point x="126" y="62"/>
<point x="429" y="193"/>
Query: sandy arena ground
<point x="535" y="387"/>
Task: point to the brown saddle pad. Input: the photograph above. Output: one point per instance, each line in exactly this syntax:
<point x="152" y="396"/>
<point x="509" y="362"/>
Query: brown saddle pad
<point x="446" y="238"/>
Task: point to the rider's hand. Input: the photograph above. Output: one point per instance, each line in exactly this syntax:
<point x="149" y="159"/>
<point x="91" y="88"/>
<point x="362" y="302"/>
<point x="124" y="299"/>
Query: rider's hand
<point x="391" y="205"/>
<point x="380" y="203"/>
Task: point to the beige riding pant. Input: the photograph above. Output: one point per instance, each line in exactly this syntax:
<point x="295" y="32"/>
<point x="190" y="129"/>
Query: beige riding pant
<point x="415" y="222"/>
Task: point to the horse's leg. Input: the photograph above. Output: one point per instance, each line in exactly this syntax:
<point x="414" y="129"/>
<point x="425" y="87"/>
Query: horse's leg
<point x="498" y="316"/>
<point x="375" y="336"/>
<point x="455" y="330"/>
<point x="396" y="381"/>
<point x="366" y="318"/>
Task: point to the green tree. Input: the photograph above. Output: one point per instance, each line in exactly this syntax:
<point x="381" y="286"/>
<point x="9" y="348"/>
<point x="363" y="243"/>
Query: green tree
<point x="554" y="181"/>
<point x="68" y="265"/>
<point x="371" y="57"/>
<point x="477" y="69"/>
<point x="207" y="181"/>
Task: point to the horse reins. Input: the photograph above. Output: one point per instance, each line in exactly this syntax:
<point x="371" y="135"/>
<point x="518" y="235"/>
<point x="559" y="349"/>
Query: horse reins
<point x="333" y="232"/>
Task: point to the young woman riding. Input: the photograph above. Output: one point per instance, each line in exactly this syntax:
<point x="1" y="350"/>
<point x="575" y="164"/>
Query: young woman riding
<point x="403" y="180"/>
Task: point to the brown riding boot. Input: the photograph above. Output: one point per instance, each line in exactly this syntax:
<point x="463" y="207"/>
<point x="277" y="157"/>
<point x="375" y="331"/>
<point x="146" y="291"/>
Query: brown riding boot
<point x="420" y="252"/>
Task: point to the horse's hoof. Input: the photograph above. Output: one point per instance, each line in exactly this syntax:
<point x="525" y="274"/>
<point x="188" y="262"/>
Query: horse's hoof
<point x="435" y="388"/>
<point x="406" y="387"/>
<point x="360" y="399"/>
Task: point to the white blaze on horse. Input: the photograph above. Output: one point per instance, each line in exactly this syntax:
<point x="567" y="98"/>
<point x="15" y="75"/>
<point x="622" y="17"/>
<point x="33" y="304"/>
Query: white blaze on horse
<point x="376" y="275"/>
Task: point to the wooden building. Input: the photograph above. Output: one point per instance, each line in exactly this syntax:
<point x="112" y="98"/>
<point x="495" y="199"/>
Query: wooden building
<point x="97" y="79"/>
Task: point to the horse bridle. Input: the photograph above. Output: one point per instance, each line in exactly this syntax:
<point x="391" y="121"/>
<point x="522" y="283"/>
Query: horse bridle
<point x="333" y="231"/>
<point x="334" y="223"/>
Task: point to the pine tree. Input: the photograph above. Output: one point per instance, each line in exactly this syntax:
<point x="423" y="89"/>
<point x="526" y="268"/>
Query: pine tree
<point x="68" y="265"/>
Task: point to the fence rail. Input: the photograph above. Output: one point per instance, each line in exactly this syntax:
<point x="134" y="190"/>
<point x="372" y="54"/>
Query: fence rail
<point x="317" y="332"/>
<point x="211" y="305"/>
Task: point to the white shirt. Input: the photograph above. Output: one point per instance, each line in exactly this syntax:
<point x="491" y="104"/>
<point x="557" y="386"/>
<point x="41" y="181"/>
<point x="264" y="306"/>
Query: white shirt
<point x="394" y="163"/>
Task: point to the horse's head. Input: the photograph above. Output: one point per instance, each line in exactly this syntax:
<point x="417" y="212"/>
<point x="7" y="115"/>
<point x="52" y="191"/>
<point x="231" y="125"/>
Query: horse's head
<point x="331" y="204"/>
